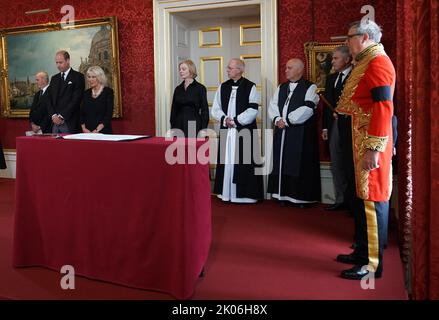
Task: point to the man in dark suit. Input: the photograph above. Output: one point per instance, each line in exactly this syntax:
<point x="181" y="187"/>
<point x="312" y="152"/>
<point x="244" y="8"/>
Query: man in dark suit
<point x="39" y="115"/>
<point x="66" y="91"/>
<point x="341" y="61"/>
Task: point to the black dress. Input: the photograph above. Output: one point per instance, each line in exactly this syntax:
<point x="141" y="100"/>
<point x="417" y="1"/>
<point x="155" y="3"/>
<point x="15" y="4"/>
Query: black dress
<point x="98" y="110"/>
<point x="190" y="105"/>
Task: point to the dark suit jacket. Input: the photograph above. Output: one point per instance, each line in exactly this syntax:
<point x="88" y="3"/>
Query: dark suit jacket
<point x="332" y="95"/>
<point x="39" y="113"/>
<point x="66" y="98"/>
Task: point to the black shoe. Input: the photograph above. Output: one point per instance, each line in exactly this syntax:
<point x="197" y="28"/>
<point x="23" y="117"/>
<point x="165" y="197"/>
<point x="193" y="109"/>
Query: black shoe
<point x="347" y="258"/>
<point x="358" y="272"/>
<point x="305" y="205"/>
<point x="336" y="207"/>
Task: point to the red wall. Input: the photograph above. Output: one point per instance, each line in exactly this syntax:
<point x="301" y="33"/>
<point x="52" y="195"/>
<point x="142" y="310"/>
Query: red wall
<point x="136" y="56"/>
<point x="302" y="21"/>
<point x="299" y="21"/>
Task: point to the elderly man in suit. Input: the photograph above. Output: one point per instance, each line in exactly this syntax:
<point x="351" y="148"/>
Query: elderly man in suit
<point x="66" y="91"/>
<point x="39" y="115"/>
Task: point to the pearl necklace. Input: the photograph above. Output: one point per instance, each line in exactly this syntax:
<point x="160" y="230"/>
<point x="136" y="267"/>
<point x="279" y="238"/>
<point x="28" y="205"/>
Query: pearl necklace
<point x="97" y="93"/>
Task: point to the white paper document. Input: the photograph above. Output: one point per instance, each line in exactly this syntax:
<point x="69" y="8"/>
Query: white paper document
<point x="103" y="137"/>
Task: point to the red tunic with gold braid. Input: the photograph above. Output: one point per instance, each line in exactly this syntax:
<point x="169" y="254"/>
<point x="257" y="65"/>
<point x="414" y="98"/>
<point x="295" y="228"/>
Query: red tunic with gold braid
<point x="367" y="97"/>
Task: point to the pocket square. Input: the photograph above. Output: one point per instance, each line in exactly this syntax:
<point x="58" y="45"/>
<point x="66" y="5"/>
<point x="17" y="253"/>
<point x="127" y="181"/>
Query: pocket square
<point x="70" y="82"/>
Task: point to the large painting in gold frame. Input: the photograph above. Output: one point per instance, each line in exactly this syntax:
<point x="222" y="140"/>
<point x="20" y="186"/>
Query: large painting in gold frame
<point x="26" y="50"/>
<point x="319" y="56"/>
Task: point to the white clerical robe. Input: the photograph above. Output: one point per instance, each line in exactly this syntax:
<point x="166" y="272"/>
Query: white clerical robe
<point x="245" y="118"/>
<point x="298" y="116"/>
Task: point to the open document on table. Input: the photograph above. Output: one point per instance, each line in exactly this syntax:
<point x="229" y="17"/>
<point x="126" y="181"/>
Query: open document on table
<point x="104" y="137"/>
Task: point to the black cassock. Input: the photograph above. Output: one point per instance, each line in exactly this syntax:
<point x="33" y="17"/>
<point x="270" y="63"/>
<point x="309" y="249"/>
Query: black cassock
<point x="248" y="184"/>
<point x="300" y="166"/>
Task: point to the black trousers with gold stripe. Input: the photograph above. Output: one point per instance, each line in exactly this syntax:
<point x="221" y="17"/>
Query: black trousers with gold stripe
<point x="369" y="220"/>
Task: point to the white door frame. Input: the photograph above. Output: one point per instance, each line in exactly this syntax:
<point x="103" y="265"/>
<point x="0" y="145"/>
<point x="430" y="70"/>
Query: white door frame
<point x="162" y="52"/>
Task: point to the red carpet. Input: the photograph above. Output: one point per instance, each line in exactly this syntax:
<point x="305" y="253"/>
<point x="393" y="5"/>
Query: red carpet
<point x="258" y="251"/>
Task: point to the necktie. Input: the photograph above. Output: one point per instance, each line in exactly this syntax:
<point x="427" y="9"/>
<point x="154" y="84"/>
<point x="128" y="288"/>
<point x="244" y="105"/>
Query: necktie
<point x="62" y="76"/>
<point x="339" y="84"/>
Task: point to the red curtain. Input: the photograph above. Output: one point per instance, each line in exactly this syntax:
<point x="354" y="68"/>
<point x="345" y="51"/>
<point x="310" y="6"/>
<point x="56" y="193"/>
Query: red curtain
<point x="418" y="97"/>
<point x="403" y="108"/>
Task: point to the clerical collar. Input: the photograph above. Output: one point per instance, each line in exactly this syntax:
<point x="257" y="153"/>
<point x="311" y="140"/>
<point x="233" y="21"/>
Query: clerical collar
<point x="236" y="82"/>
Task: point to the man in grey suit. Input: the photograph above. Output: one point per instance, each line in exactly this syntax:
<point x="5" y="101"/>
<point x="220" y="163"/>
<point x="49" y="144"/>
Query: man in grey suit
<point x="341" y="61"/>
<point x="67" y="88"/>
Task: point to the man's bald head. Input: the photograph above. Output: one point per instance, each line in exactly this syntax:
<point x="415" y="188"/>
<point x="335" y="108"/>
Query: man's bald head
<point x="294" y="69"/>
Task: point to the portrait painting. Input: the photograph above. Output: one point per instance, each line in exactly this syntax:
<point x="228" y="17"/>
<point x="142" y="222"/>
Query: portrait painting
<point x="319" y="56"/>
<point x="28" y="50"/>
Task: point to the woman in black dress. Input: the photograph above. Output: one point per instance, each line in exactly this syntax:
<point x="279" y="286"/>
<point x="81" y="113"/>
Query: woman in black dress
<point x="190" y="111"/>
<point x="97" y="104"/>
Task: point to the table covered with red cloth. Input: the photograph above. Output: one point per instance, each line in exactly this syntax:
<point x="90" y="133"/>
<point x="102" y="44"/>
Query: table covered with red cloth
<point x="115" y="211"/>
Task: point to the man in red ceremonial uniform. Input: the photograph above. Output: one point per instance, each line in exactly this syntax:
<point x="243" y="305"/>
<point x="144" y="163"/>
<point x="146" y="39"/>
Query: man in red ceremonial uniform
<point x="367" y="99"/>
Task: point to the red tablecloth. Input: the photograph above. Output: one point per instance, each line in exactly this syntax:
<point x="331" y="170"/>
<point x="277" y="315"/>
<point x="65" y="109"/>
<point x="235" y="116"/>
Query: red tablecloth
<point x="115" y="211"/>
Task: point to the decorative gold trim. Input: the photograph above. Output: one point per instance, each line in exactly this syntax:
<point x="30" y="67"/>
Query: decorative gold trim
<point x="253" y="56"/>
<point x="201" y="42"/>
<point x="372" y="235"/>
<point x="314" y="50"/>
<point x="376" y="143"/>
<point x="49" y="27"/>
<point x="211" y="58"/>
<point x="242" y="28"/>
<point x="250" y="56"/>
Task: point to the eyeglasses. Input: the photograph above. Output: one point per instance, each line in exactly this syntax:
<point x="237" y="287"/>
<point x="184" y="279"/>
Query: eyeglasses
<point x="350" y="36"/>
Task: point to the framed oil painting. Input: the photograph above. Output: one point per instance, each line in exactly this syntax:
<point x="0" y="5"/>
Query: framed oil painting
<point x="319" y="56"/>
<point x="24" y="51"/>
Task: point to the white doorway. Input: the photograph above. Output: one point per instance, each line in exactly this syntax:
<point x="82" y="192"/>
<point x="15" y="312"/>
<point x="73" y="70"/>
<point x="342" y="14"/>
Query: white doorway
<point x="210" y="32"/>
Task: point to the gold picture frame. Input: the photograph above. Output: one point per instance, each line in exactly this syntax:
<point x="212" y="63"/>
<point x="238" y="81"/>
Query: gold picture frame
<point x="319" y="56"/>
<point x="89" y="42"/>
